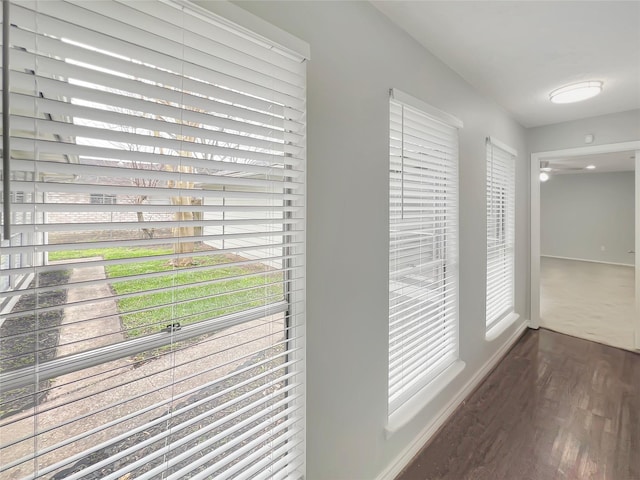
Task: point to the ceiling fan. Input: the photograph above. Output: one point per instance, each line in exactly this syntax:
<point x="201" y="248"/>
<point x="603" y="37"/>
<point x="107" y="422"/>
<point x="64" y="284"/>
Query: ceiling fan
<point x="546" y="166"/>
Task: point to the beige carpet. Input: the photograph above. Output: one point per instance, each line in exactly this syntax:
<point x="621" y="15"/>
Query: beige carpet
<point x="594" y="301"/>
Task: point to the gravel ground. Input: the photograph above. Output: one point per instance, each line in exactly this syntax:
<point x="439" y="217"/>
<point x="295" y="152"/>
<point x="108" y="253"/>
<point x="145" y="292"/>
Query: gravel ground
<point x="107" y="452"/>
<point x="19" y="339"/>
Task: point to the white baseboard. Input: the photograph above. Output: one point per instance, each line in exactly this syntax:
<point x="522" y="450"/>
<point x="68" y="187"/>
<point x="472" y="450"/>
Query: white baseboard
<point x="590" y="261"/>
<point x="394" y="469"/>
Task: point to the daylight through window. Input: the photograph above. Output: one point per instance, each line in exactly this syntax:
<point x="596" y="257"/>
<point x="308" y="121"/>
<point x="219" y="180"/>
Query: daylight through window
<point x="423" y="246"/>
<point x="152" y="282"/>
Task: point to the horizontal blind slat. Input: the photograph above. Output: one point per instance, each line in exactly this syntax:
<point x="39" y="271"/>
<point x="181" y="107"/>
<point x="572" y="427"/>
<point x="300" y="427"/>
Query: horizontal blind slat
<point x="101" y="135"/>
<point x="231" y="109"/>
<point x="231" y="163"/>
<point x="149" y="48"/>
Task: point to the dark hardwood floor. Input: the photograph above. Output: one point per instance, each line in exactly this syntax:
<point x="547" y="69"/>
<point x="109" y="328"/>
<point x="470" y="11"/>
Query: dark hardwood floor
<point x="556" y="408"/>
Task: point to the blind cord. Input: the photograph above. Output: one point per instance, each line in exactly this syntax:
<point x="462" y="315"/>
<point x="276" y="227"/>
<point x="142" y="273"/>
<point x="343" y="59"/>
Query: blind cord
<point x="6" y="131"/>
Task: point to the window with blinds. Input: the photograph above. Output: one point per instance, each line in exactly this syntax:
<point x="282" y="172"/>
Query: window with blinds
<point x="152" y="270"/>
<point x="501" y="171"/>
<point x="423" y="248"/>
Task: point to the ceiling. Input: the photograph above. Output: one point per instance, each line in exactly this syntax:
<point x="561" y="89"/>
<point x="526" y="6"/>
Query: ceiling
<point x="605" y="162"/>
<point x="516" y="52"/>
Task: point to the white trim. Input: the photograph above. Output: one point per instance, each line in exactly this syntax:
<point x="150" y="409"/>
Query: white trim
<point x="534" y="199"/>
<point x="637" y="248"/>
<point x="587" y="260"/>
<point x="402" y="460"/>
<point x="534" y="242"/>
<point x="591" y="150"/>
<point x="409" y="409"/>
<point x="501" y="326"/>
<point x="424" y="107"/>
<point x="502" y="145"/>
<point x="254" y="25"/>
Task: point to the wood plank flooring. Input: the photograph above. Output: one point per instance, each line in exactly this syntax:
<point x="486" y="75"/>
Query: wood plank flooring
<point x="556" y="408"/>
<point x="594" y="301"/>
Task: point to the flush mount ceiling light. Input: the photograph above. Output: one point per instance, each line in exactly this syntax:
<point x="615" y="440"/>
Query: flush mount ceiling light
<point x="544" y="176"/>
<point x="576" y="92"/>
<point x="590" y="167"/>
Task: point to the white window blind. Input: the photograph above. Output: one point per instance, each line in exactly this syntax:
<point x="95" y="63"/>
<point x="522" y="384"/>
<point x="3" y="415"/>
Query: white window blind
<point x="152" y="279"/>
<point x="423" y="248"/>
<point x="500" y="230"/>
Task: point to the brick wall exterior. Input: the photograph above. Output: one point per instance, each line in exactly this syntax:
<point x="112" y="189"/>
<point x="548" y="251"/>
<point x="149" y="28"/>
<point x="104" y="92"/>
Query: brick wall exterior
<point x="96" y="217"/>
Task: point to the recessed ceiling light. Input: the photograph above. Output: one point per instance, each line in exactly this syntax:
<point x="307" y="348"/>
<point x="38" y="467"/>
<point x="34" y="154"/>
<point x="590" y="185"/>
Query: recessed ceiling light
<point x="590" y="167"/>
<point x="576" y="92"/>
<point x="544" y="176"/>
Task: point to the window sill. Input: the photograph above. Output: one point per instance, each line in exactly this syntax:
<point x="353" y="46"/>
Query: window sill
<point x="498" y="329"/>
<point x="407" y="412"/>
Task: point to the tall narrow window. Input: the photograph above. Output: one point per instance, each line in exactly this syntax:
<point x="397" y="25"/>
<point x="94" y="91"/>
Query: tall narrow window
<point x="152" y="279"/>
<point x="423" y="248"/>
<point x="501" y="170"/>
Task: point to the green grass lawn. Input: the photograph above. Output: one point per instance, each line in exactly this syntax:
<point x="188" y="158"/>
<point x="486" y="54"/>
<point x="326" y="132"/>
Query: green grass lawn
<point x="190" y="296"/>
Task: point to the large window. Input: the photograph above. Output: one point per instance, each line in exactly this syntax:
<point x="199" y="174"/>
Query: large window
<point x="423" y="247"/>
<point x="152" y="327"/>
<point x="501" y="170"/>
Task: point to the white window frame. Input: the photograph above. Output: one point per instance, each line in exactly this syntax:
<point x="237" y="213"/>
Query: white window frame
<point x="433" y="177"/>
<point x="501" y="203"/>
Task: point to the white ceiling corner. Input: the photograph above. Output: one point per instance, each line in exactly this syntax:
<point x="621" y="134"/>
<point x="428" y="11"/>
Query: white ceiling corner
<point x="516" y="52"/>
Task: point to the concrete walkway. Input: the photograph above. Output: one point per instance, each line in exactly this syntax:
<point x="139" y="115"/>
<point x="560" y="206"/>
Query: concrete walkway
<point x="90" y="398"/>
<point x="86" y="326"/>
<point x="79" y="320"/>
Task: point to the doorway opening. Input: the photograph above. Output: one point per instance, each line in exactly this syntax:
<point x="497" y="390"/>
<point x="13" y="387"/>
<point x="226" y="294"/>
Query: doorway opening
<point x="588" y="276"/>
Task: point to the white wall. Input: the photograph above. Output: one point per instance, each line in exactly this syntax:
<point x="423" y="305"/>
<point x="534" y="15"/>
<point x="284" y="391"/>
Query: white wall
<point x="614" y="128"/>
<point x="581" y="213"/>
<point x="357" y="55"/>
